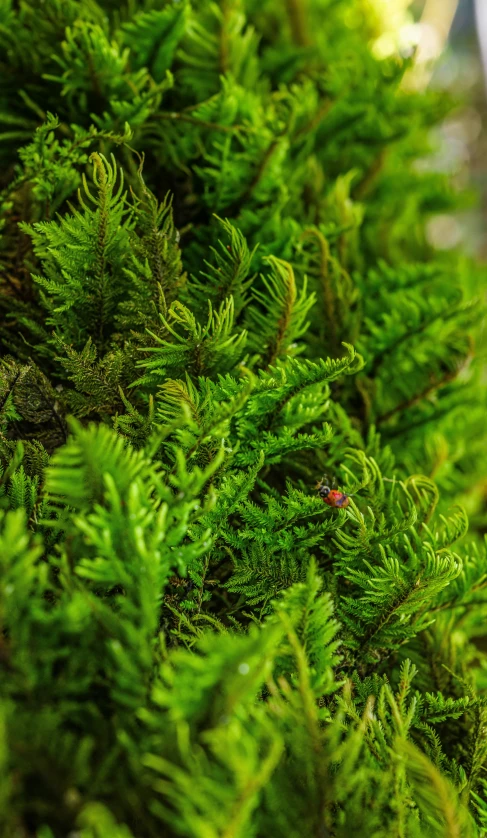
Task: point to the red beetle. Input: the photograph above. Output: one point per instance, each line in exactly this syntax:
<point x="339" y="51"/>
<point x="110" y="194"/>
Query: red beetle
<point x="332" y="497"/>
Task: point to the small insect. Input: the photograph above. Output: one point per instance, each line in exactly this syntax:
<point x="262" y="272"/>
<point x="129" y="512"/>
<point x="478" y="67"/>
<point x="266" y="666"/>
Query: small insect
<point x="332" y="497"/>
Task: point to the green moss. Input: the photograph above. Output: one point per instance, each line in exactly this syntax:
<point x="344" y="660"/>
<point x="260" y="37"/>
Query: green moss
<point x="215" y="288"/>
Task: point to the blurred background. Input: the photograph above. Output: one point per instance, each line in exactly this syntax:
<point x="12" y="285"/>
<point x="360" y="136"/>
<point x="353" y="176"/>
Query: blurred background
<point x="449" y="38"/>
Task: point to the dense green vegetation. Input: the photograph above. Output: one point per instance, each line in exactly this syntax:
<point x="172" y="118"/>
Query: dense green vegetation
<point x="215" y="289"/>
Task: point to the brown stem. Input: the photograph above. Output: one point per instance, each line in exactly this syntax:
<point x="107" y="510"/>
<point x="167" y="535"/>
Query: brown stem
<point x="444" y="315"/>
<point x="235" y="208"/>
<point x="431" y="388"/>
<point x="320" y="114"/>
<point x="11" y="283"/>
<point x="285" y="319"/>
<point x="298" y="19"/>
<point x="328" y="295"/>
<point x="370" y="176"/>
<point x="376" y="628"/>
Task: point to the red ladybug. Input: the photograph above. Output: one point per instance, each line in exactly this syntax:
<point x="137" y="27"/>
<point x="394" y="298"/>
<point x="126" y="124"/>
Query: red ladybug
<point x="332" y="497"/>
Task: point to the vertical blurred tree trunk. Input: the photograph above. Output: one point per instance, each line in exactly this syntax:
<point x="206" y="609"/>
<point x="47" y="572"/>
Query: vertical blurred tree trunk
<point x="481" y="18"/>
<point x="436" y="21"/>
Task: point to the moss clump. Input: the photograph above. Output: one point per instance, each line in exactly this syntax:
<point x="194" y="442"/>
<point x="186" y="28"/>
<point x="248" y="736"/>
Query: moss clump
<point x="215" y="288"/>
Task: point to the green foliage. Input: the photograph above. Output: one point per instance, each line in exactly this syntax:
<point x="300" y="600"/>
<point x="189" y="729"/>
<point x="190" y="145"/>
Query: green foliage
<point x="215" y="292"/>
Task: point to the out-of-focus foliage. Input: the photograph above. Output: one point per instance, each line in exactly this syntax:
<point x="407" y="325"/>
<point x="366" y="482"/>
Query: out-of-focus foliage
<point x="216" y="288"/>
